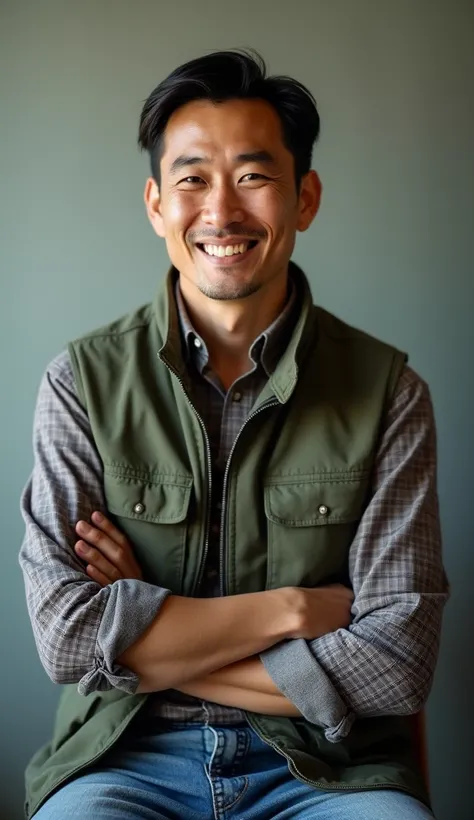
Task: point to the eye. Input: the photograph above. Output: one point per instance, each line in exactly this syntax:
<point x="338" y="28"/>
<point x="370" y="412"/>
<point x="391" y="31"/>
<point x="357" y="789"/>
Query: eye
<point x="253" y="177"/>
<point x="190" y="181"/>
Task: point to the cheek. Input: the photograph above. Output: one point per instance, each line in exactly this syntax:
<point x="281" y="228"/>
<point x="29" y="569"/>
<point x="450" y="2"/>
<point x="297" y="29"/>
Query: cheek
<point x="178" y="213"/>
<point x="277" y="202"/>
<point x="277" y="212"/>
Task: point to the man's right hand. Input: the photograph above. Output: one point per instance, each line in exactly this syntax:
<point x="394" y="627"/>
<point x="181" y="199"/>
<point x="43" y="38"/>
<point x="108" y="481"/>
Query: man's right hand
<point x="319" y="610"/>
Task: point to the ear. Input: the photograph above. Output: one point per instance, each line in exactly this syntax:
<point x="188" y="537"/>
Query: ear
<point x="309" y="200"/>
<point x="153" y="206"/>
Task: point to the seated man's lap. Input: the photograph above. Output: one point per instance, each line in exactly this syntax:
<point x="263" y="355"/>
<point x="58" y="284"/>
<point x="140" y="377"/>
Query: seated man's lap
<point x="202" y="772"/>
<point x="114" y="797"/>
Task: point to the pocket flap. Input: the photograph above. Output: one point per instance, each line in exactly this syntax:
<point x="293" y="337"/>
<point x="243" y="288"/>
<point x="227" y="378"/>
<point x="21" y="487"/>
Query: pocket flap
<point x="308" y="503"/>
<point x="160" y="499"/>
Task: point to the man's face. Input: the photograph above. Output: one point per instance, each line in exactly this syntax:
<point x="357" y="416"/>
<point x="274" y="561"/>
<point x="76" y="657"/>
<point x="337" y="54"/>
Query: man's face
<point x="227" y="206"/>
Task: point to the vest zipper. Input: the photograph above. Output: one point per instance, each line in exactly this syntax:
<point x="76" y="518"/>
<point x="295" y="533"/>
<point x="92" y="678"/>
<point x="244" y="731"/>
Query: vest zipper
<point x="200" y="572"/>
<point x="269" y="403"/>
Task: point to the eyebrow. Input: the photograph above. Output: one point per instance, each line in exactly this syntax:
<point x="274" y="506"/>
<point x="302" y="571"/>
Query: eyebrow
<point x="256" y="156"/>
<point x="184" y="161"/>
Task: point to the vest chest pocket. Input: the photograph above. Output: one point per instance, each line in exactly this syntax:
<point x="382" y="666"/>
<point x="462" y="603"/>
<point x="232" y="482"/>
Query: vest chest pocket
<point x="311" y="523"/>
<point x="153" y="511"/>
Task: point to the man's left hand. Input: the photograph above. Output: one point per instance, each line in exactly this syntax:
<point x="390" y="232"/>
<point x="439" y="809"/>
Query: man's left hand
<point x="106" y="550"/>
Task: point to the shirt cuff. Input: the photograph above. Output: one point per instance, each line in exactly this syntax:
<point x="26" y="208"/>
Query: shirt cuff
<point x="131" y="607"/>
<point x="299" y="677"/>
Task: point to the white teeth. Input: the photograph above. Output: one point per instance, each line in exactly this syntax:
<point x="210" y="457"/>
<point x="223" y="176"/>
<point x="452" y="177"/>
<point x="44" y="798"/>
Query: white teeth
<point x="225" y="250"/>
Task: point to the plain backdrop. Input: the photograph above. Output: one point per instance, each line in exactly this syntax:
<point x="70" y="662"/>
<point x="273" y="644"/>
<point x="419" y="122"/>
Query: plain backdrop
<point x="391" y="250"/>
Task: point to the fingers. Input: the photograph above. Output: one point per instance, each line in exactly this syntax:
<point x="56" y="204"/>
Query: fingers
<point x="340" y="589"/>
<point x="113" y="550"/>
<point x="97" y="576"/>
<point x="97" y="561"/>
<point x="117" y="552"/>
<point x="106" y="549"/>
<point x="105" y="525"/>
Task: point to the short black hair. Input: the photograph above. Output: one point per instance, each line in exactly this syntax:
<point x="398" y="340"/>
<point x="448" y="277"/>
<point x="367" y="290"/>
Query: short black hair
<point x="228" y="75"/>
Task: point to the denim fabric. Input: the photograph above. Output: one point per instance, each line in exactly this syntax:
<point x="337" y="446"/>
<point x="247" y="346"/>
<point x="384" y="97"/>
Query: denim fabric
<point x="160" y="771"/>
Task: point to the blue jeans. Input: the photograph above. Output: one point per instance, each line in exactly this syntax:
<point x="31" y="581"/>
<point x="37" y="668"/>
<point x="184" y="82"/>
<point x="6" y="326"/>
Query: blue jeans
<point x="201" y="772"/>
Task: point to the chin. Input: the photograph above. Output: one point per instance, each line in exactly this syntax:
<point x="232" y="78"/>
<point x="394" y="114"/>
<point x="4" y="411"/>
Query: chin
<point x="226" y="291"/>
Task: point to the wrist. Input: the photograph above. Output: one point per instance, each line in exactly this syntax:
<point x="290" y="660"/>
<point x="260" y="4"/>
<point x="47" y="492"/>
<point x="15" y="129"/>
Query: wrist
<point x="289" y="612"/>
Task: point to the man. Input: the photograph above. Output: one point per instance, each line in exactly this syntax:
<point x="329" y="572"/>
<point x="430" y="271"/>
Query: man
<point x="232" y="550"/>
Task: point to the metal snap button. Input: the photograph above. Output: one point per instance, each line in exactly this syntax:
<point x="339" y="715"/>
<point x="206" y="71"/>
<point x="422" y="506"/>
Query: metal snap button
<point x="139" y="508"/>
<point x="322" y="509"/>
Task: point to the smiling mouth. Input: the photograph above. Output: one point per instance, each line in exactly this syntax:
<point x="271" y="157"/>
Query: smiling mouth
<point x="227" y="251"/>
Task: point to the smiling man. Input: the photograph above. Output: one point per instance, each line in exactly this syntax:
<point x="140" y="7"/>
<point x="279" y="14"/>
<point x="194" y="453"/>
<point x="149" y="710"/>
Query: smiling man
<point x="232" y="553"/>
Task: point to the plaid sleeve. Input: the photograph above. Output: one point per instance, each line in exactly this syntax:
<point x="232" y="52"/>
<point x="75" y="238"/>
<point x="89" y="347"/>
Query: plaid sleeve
<point x="383" y="664"/>
<point x="80" y="628"/>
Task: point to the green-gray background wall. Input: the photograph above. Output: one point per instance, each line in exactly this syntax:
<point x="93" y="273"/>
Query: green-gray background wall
<point x="391" y="251"/>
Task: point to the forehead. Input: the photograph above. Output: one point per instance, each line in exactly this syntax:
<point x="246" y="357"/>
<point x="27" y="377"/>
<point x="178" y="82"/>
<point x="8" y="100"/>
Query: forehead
<point x="227" y="128"/>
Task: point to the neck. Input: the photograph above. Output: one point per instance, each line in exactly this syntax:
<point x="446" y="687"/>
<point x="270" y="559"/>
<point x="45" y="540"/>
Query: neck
<point x="229" y="327"/>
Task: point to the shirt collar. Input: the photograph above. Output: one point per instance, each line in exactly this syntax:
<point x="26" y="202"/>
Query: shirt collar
<point x="266" y="349"/>
<point x="194" y="345"/>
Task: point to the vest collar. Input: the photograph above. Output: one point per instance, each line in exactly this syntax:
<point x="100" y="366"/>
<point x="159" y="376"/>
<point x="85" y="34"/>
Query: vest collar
<point x="283" y="380"/>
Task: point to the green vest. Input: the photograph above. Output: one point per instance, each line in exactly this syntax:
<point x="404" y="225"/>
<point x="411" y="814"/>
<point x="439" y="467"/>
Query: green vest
<point x="308" y="444"/>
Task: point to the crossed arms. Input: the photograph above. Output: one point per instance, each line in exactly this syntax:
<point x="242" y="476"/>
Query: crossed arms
<point x="269" y="651"/>
<point x="208" y="647"/>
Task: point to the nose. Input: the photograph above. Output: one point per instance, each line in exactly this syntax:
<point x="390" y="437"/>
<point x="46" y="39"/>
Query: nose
<point x="222" y="206"/>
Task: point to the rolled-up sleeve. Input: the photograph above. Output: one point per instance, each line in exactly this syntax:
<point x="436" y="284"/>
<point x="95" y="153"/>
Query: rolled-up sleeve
<point x="383" y="664"/>
<point x="80" y="628"/>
